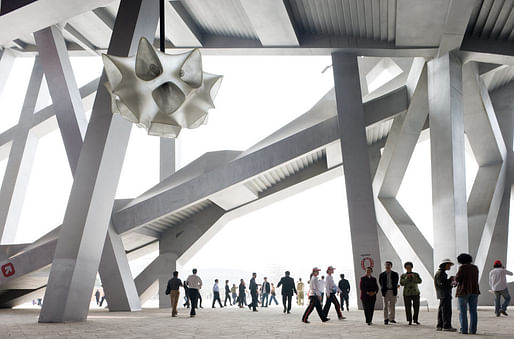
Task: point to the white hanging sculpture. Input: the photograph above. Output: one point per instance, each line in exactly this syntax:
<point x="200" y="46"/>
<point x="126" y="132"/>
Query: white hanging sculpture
<point x="161" y="92"/>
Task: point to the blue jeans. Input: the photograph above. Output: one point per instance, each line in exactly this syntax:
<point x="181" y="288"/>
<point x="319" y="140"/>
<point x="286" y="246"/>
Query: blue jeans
<point x="264" y="297"/>
<point x="497" y="301"/>
<point x="464" y="301"/>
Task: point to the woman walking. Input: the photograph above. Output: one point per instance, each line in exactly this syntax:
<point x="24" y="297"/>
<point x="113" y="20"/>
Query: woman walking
<point x="242" y="293"/>
<point x="467" y="293"/>
<point x="410" y="281"/>
<point x="369" y="289"/>
<point x="273" y="295"/>
<point x="331" y="290"/>
<point x="314" y="298"/>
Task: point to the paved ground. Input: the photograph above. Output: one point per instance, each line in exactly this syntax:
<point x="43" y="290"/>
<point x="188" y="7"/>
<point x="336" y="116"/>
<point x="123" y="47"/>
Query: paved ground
<point x="239" y="323"/>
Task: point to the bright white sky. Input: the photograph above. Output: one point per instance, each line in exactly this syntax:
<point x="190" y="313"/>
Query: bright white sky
<point x="258" y="95"/>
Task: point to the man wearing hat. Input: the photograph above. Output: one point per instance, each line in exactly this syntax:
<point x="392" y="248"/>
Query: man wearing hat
<point x="314" y="298"/>
<point x="331" y="290"/>
<point x="443" y="287"/>
<point x="288" y="289"/>
<point x="498" y="283"/>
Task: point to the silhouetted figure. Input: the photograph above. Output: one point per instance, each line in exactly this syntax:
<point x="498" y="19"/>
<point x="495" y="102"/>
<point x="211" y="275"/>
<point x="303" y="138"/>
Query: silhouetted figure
<point x="242" y="294"/>
<point x="288" y="289"/>
<point x="254" y="293"/>
<point x="273" y="295"/>
<point x="265" y="290"/>
<point x="227" y="294"/>
<point x="216" y="293"/>
<point x="187" y="302"/>
<point x="97" y="296"/>
<point x="344" y="292"/>
<point x="299" y="290"/>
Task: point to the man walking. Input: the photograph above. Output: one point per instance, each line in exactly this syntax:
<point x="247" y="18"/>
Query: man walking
<point x="227" y="294"/>
<point x="388" y="281"/>
<point x="266" y="289"/>
<point x="216" y="293"/>
<point x="253" y="293"/>
<point x="344" y="292"/>
<point x="195" y="284"/>
<point x="172" y="289"/>
<point x="443" y="288"/>
<point x="498" y="283"/>
<point x="288" y="289"/>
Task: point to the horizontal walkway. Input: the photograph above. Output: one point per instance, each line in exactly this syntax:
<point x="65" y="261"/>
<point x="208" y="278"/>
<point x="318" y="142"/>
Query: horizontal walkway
<point x="239" y="323"/>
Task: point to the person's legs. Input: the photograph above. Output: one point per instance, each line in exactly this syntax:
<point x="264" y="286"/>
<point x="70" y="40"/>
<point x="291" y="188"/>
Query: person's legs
<point x="199" y="297"/>
<point x="447" y="313"/>
<point x="407" y="300"/>
<point x="321" y="315"/>
<point x="265" y="300"/>
<point x="336" y="305"/>
<point x="346" y="299"/>
<point x="372" y="309"/>
<point x="386" y="309"/>
<point x="415" y="300"/>
<point x="506" y="296"/>
<point x="463" y="316"/>
<point x="497" y="302"/>
<point x="255" y="297"/>
<point x="284" y="302"/>
<point x="193" y="296"/>
<point x="473" y="317"/>
<point x="289" y="300"/>
<point x="174" y="295"/>
<point x="308" y="310"/>
<point x="326" y="309"/>
<point x="440" y="314"/>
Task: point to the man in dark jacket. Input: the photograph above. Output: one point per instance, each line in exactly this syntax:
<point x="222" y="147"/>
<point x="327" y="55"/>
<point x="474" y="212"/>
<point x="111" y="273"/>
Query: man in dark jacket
<point x="266" y="290"/>
<point x="443" y="288"/>
<point x="288" y="289"/>
<point x="253" y="292"/>
<point x="172" y="290"/>
<point x="344" y="292"/>
<point x="388" y="281"/>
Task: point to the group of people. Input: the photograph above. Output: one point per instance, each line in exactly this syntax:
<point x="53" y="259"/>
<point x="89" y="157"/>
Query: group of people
<point x="467" y="291"/>
<point x="465" y="281"/>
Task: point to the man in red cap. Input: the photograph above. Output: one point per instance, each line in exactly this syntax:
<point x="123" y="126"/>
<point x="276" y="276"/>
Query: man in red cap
<point x="314" y="298"/>
<point x="331" y="290"/>
<point x="498" y="283"/>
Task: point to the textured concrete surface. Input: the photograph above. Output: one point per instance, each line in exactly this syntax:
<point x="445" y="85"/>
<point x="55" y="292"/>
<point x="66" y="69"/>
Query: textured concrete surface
<point x="239" y="323"/>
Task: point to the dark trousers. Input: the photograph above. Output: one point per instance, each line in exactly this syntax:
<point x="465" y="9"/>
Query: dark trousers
<point x="286" y="301"/>
<point x="193" y="297"/>
<point x="444" y="313"/>
<point x="332" y="299"/>
<point x="255" y="299"/>
<point x="414" y="301"/>
<point x="216" y="297"/>
<point x="314" y="302"/>
<point x="200" y="298"/>
<point x="227" y="297"/>
<point x="242" y="299"/>
<point x="368" y="303"/>
<point x="344" y="299"/>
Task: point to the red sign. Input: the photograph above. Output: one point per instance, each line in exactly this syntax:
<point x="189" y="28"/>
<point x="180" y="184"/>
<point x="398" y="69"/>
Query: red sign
<point x="367" y="262"/>
<point x="8" y="269"/>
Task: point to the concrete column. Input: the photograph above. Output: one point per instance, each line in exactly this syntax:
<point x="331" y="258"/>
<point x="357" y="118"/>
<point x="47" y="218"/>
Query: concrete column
<point x="19" y="164"/>
<point x="447" y="155"/>
<point x="503" y="103"/>
<point x="167" y="158"/>
<point x="63" y="90"/>
<point x="87" y="216"/>
<point x="6" y="62"/>
<point x="361" y="208"/>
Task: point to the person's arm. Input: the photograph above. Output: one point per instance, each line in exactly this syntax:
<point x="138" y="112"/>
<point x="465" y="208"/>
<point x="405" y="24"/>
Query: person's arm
<point x="201" y="283"/>
<point x="507" y="272"/>
<point x="403" y="279"/>
<point x="279" y="283"/>
<point x="362" y="285"/>
<point x="376" y="286"/>
<point x="168" y="288"/>
<point x="417" y="278"/>
<point x="458" y="276"/>
<point x="294" y="289"/>
<point x="380" y="278"/>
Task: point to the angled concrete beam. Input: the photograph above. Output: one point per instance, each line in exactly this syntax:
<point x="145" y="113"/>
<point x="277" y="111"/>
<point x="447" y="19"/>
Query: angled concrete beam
<point x="447" y="157"/>
<point x="87" y="216"/>
<point x="21" y="159"/>
<point x="103" y="14"/>
<point x="166" y="157"/>
<point x="81" y="40"/>
<point x="6" y="62"/>
<point x="180" y="28"/>
<point x="270" y="20"/>
<point x="457" y="18"/>
<point x="361" y="208"/>
<point x="147" y="283"/>
<point x="491" y="51"/>
<point x="66" y="97"/>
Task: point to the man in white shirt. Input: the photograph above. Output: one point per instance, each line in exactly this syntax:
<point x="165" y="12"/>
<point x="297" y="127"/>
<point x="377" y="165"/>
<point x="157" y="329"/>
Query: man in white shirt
<point x="195" y="284"/>
<point x="498" y="283"/>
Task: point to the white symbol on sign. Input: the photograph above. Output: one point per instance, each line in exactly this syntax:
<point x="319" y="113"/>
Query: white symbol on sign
<point x="8" y="269"/>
